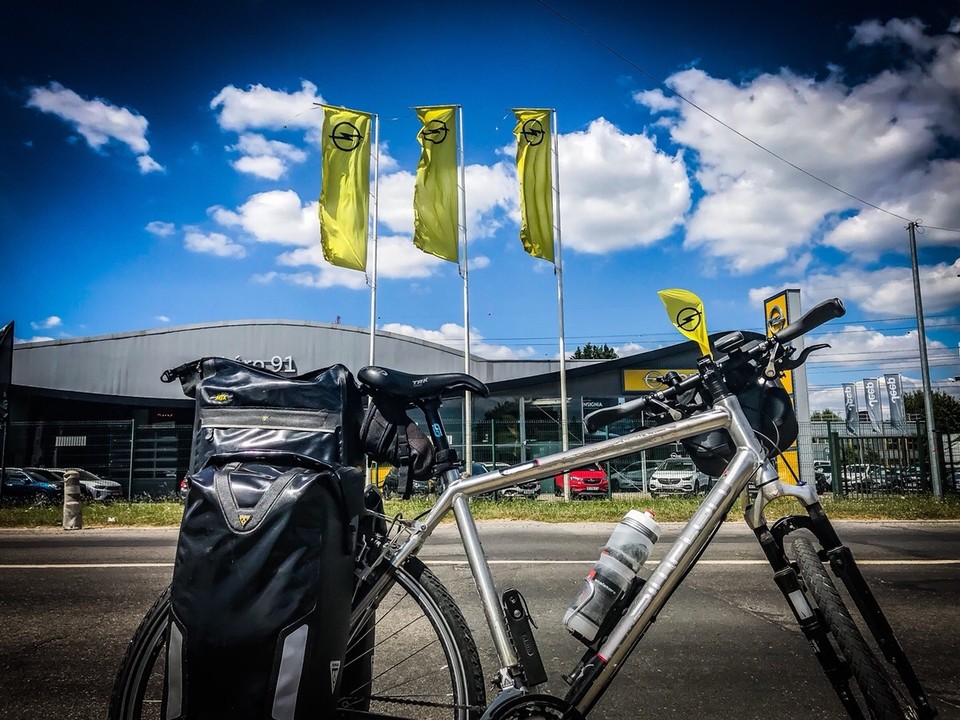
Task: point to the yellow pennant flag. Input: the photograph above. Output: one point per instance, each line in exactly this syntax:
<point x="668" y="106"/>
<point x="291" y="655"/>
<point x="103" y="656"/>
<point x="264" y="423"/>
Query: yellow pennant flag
<point x="536" y="181"/>
<point x="345" y="187"/>
<point x="686" y="313"/>
<point x="435" y="198"/>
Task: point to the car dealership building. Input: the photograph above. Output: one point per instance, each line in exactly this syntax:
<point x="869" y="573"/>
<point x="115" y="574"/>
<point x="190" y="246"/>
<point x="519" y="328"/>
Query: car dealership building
<point x="99" y="401"/>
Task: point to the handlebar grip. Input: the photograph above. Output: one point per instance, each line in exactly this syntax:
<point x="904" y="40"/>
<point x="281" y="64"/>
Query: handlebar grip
<point x="604" y="416"/>
<point x="815" y="317"/>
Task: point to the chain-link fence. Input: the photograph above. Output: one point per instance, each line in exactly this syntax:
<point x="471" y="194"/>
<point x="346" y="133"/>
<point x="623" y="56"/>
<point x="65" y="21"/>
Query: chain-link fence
<point x="150" y="460"/>
<point x="147" y="460"/>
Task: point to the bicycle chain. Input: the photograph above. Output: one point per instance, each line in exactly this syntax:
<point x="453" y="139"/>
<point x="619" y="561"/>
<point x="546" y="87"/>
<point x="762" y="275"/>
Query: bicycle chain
<point x="425" y="703"/>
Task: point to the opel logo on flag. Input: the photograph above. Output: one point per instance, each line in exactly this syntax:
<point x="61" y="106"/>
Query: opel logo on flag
<point x="346" y="136"/>
<point x="689" y="319"/>
<point x="435" y="131"/>
<point x="776" y="320"/>
<point x="533" y="132"/>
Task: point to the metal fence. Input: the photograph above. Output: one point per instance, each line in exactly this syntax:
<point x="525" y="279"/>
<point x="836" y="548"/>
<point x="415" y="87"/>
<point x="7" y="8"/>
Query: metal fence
<point x="150" y="460"/>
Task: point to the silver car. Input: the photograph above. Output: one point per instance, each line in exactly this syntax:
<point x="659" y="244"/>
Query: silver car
<point x="93" y="486"/>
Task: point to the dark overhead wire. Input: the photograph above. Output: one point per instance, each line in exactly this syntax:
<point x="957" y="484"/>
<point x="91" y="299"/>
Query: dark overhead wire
<point x="660" y="83"/>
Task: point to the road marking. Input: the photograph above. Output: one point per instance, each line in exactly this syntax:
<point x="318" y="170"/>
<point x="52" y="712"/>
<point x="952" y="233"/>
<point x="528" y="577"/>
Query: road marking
<point x="110" y="566"/>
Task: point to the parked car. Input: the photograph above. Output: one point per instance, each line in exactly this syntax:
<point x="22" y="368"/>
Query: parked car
<point x="678" y="476"/>
<point x="92" y="486"/>
<point x="629" y="479"/>
<point x="585" y="482"/>
<point x="856" y="477"/>
<point x="22" y="485"/>
<point x="391" y="484"/>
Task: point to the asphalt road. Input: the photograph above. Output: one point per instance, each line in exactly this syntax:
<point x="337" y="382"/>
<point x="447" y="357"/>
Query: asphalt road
<point x="725" y="646"/>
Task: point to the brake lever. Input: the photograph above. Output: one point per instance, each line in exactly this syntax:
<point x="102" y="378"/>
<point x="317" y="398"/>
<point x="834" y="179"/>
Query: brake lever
<point x="793" y="364"/>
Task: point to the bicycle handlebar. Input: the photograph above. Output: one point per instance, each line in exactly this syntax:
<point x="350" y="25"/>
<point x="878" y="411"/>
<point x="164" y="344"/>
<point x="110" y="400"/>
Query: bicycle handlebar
<point x="815" y="317"/>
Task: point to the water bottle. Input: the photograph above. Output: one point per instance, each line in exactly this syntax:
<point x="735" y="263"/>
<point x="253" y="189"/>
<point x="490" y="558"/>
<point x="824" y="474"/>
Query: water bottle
<point x="628" y="548"/>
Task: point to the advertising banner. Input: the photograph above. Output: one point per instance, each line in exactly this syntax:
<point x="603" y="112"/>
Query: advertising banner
<point x="850" y="410"/>
<point x="898" y="414"/>
<point x="871" y="391"/>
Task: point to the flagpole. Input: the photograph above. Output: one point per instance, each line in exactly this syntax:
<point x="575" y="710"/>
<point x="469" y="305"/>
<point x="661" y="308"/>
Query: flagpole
<point x="558" y="271"/>
<point x="465" y="273"/>
<point x="376" y="222"/>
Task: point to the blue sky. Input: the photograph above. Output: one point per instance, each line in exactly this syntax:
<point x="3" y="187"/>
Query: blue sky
<point x="159" y="166"/>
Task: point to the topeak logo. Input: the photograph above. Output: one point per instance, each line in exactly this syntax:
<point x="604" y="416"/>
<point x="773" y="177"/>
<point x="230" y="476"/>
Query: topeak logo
<point x="532" y="132"/>
<point x="346" y="136"/>
<point x="435" y="132"/>
<point x="243" y="520"/>
<point x="221" y="398"/>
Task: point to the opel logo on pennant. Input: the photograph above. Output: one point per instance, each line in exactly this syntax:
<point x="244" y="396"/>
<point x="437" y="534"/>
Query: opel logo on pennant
<point x="435" y="132"/>
<point x="346" y="136"/>
<point x="532" y="132"/>
<point x="689" y="319"/>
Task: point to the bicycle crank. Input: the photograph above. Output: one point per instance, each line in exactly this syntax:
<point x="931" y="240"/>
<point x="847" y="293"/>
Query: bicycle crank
<point x="536" y="707"/>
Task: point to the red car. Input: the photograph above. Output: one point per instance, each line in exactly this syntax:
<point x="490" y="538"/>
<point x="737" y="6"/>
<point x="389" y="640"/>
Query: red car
<point x="588" y="481"/>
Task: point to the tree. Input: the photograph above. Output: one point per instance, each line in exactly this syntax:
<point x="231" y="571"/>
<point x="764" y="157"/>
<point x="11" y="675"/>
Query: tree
<point x="824" y="415"/>
<point x="594" y="352"/>
<point x="946" y="409"/>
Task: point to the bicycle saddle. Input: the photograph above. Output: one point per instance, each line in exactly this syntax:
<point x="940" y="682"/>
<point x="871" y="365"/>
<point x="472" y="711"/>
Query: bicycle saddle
<point x="413" y="387"/>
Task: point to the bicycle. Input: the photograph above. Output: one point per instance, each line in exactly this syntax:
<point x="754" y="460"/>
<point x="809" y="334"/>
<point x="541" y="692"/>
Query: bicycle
<point x="392" y="672"/>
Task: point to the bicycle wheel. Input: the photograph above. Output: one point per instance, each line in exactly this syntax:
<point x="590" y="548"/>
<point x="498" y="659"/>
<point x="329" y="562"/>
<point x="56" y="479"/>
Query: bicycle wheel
<point x="414" y="657"/>
<point x="881" y="697"/>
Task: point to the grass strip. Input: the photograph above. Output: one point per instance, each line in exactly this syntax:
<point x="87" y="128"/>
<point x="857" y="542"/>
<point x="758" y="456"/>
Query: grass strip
<point x="169" y="514"/>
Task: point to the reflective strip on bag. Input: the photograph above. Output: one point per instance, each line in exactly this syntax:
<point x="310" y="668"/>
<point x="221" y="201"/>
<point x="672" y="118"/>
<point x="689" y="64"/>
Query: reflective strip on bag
<point x="174" y="673"/>
<point x="288" y="678"/>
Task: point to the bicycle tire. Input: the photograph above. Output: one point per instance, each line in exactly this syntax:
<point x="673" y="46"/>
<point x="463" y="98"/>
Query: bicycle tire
<point x="439" y="677"/>
<point x="881" y="698"/>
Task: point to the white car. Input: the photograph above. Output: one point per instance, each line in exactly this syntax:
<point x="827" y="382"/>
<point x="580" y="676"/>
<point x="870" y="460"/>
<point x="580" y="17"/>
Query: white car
<point x="94" y="487"/>
<point x="678" y="476"/>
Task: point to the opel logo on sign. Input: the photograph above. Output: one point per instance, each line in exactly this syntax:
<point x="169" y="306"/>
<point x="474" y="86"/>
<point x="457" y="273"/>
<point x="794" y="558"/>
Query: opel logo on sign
<point x="435" y="131"/>
<point x="654" y="380"/>
<point x="346" y="136"/>
<point x="775" y="320"/>
<point x="532" y="132"/>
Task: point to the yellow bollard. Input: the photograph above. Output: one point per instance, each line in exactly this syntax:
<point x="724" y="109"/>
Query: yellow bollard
<point x="72" y="505"/>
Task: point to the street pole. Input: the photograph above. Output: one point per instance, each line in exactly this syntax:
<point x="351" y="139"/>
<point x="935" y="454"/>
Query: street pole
<point x="925" y="368"/>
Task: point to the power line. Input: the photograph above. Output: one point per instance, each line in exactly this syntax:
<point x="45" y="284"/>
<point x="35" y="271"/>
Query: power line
<point x="717" y="120"/>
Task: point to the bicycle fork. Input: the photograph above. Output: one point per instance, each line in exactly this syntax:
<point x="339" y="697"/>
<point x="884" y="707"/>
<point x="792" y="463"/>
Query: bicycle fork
<point x="845" y="567"/>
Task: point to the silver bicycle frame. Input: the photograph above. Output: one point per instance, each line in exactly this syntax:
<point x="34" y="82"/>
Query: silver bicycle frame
<point x="748" y="461"/>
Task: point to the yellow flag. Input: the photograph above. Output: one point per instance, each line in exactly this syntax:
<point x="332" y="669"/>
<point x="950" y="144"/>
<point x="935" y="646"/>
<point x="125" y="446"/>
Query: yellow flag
<point x="345" y="187"/>
<point x="686" y="313"/>
<point x="435" y="198"/>
<point x="534" y="150"/>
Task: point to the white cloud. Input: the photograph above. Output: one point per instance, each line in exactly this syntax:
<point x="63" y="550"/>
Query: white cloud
<point x="161" y="228"/>
<point x="326" y="277"/>
<point x="47" y="323"/>
<point x="148" y="165"/>
<point x="213" y="244"/>
<point x="162" y="319"/>
<point x="265" y="158"/>
<point x="265" y="166"/>
<point x="619" y="190"/>
<point x="397" y="258"/>
<point x="857" y="349"/>
<point x="479" y="262"/>
<point x="874" y="139"/>
<point x="97" y="121"/>
<point x="275" y="216"/>
<point x="260" y="107"/>
<point x="887" y="291"/>
<point x="452" y="335"/>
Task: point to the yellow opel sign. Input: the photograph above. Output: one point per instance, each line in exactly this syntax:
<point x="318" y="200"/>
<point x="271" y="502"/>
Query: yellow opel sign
<point x="651" y="380"/>
<point x="776" y="319"/>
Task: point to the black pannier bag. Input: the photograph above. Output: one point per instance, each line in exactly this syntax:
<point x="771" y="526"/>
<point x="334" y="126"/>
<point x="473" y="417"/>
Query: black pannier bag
<point x="264" y="570"/>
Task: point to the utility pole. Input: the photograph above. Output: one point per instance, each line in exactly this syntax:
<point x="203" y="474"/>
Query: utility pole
<point x="925" y="368"/>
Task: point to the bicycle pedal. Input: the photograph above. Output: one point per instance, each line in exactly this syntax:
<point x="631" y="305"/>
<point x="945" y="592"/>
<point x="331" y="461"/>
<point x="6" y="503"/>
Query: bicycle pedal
<point x="519" y="623"/>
